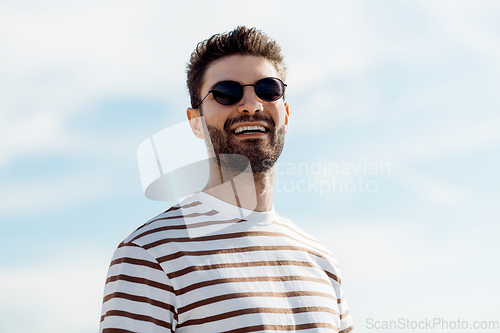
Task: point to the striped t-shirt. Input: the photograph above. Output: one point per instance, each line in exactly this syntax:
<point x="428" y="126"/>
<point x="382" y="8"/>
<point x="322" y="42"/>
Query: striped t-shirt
<point x="208" y="266"/>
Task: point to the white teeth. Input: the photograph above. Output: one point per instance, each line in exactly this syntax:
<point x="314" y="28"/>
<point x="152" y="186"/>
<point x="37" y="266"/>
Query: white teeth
<point x="249" y="128"/>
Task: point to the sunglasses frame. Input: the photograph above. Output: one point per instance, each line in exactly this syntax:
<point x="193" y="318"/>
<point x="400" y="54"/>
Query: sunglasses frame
<point x="283" y="85"/>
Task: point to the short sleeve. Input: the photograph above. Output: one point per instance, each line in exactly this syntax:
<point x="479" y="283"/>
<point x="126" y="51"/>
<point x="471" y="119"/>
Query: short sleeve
<point x="138" y="296"/>
<point x="346" y="324"/>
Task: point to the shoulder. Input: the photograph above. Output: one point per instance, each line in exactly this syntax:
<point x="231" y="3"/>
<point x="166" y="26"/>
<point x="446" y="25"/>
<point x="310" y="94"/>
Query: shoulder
<point x="319" y="253"/>
<point x="172" y="222"/>
<point x="300" y="233"/>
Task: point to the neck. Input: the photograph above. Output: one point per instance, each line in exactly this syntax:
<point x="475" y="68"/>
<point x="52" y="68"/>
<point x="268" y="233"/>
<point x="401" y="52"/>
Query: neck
<point x="242" y="189"/>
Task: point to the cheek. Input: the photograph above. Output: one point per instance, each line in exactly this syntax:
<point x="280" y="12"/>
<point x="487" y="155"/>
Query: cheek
<point x="215" y="118"/>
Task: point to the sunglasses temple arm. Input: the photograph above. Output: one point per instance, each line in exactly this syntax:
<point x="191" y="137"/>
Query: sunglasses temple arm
<point x="197" y="106"/>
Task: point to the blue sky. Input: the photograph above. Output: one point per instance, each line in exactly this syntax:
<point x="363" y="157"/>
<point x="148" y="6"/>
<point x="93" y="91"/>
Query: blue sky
<point x="411" y="84"/>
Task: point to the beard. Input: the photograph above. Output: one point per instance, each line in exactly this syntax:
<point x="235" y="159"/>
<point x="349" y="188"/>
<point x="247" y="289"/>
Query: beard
<point x="234" y="156"/>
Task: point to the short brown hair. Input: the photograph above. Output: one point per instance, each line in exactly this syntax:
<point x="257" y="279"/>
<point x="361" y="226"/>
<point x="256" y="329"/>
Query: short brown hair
<point x="243" y="41"/>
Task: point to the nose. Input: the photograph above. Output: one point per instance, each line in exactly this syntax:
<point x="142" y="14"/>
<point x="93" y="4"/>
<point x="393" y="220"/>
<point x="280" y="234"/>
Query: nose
<point x="250" y="103"/>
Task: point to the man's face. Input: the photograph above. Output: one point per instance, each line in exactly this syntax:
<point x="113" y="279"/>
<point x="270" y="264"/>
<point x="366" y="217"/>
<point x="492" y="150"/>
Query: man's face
<point x="223" y="121"/>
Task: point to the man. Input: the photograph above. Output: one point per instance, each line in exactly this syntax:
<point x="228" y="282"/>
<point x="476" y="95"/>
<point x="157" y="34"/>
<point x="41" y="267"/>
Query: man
<point x="223" y="260"/>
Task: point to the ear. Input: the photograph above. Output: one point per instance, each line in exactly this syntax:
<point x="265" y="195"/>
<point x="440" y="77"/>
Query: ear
<point x="195" y="122"/>
<point x="287" y="115"/>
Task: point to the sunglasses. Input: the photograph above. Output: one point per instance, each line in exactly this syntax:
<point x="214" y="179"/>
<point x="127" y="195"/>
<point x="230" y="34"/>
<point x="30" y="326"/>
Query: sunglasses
<point x="268" y="89"/>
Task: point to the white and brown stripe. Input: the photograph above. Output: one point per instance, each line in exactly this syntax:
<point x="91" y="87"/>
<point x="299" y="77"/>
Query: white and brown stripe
<point x="197" y="267"/>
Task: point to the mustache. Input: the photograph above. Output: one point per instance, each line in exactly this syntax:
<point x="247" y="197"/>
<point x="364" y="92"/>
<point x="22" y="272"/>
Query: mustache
<point x="257" y="117"/>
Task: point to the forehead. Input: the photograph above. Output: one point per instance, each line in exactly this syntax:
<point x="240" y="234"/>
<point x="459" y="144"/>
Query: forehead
<point x="244" y="69"/>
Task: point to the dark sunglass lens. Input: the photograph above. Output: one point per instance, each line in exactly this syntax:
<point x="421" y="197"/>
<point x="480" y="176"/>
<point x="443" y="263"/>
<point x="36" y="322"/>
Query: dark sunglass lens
<point x="269" y="89"/>
<point x="227" y="92"/>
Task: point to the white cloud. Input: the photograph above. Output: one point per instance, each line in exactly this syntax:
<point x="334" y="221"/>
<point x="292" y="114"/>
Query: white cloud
<point x="471" y="24"/>
<point x="43" y="131"/>
<point x="59" y="297"/>
<point x="414" y="267"/>
<point x="392" y="249"/>
<point x="442" y="139"/>
<point x="438" y="193"/>
<point x="62" y="191"/>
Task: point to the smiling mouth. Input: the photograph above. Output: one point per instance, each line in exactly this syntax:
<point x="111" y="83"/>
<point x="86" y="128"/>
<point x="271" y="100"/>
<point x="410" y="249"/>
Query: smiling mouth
<point x="250" y="130"/>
